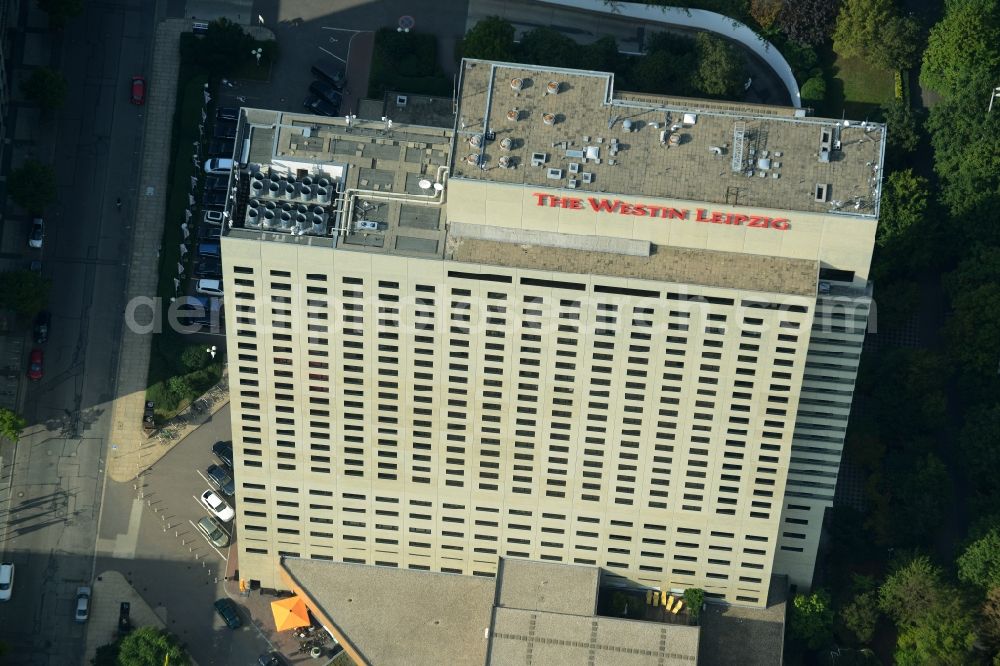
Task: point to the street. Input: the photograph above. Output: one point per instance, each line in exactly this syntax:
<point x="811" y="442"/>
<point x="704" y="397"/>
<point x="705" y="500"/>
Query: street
<point x="53" y="508"/>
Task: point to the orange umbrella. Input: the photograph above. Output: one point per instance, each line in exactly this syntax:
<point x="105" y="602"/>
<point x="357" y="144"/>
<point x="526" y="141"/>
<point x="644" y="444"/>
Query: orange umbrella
<point x="289" y="613"/>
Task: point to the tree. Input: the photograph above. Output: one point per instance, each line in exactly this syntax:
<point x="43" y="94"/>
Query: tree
<point x="694" y="598"/>
<point x="906" y="230"/>
<point x="149" y="646"/>
<point x="980" y="456"/>
<point x="765" y="12"/>
<point x="990" y="615"/>
<point x="904" y="124"/>
<point x="24" y="292"/>
<point x="979" y="563"/>
<point x="875" y="31"/>
<point x="721" y="67"/>
<point x="915" y="579"/>
<point x="807" y="22"/>
<point x="32" y="186"/>
<point x="811" y="619"/>
<point x="861" y="615"/>
<point x="11" y="424"/>
<point x="60" y="11"/>
<point x="195" y="358"/>
<point x="946" y="637"/>
<point x="547" y="46"/>
<point x="224" y="47"/>
<point x="974" y="328"/>
<point x="179" y="387"/>
<point x="963" y="50"/>
<point x="490" y="39"/>
<point x="814" y="90"/>
<point x="45" y="87"/>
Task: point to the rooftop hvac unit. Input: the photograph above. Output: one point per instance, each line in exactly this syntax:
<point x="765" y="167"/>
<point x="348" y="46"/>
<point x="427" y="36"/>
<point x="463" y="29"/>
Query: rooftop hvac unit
<point x="269" y="219"/>
<point x="322" y="195"/>
<point x="307" y="193"/>
<point x="401" y="100"/>
<point x="252" y="219"/>
<point x="291" y="190"/>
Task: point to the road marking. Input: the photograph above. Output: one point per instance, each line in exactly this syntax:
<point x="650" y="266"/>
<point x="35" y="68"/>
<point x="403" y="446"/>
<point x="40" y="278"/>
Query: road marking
<point x="330" y="54"/>
<point x="210" y="544"/>
<point x="343" y="29"/>
<point x="205" y="479"/>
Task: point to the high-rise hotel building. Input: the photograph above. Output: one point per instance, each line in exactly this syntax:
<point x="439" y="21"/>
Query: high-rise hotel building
<point x="581" y="326"/>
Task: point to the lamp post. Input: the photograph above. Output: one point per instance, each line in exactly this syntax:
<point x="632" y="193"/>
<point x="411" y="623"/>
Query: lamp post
<point x="258" y="52"/>
<point x="993" y="95"/>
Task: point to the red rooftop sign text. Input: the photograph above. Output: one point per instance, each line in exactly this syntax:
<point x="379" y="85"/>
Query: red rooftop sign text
<point x="649" y="210"/>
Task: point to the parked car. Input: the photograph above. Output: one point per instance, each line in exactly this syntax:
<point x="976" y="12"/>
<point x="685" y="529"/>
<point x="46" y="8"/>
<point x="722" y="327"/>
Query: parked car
<point x="209" y="267"/>
<point x="82" y="604"/>
<point x="213" y="532"/>
<point x="218" y="165"/>
<point x="213" y="217"/>
<point x="6" y="580"/>
<point x="227" y="113"/>
<point x="37" y="234"/>
<point x="35" y="363"/>
<point x="224" y="452"/>
<point x="221" y="148"/>
<point x="221" y="479"/>
<point x="224" y="131"/>
<point x="210" y="249"/>
<point x="213" y="198"/>
<point x="217" y="505"/>
<point x="138" y="90"/>
<point x="327" y="92"/>
<point x="229" y="613"/>
<point x="41" y="329"/>
<point x="271" y="659"/>
<point x="209" y="287"/>
<point x="209" y="233"/>
<point x="216" y="183"/>
<point x="331" y="72"/>
<point x="320" y="107"/>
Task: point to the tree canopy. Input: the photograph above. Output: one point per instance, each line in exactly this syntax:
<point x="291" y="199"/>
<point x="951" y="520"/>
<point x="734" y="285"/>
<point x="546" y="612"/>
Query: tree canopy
<point x="979" y="563"/>
<point x="811" y="619"/>
<point x="721" y="67"/>
<point x="11" y="424"/>
<point x="46" y="88"/>
<point x="61" y="11"/>
<point x="807" y="22"/>
<point x="963" y="50"/>
<point x="149" y="646"/>
<point x="490" y="39"/>
<point x="32" y="186"/>
<point x="875" y="30"/>
<point x="24" y="292"/>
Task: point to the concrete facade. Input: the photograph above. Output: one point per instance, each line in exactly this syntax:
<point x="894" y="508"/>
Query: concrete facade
<point x="661" y="394"/>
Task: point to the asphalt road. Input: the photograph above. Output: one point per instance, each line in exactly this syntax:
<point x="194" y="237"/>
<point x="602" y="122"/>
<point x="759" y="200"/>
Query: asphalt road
<point x="57" y="482"/>
<point x="153" y="542"/>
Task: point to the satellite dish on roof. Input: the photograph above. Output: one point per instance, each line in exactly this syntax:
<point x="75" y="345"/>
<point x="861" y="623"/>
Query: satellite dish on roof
<point x="438" y="187"/>
<point x="424" y="184"/>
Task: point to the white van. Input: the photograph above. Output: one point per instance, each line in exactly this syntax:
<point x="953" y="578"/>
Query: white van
<point x="218" y="165"/>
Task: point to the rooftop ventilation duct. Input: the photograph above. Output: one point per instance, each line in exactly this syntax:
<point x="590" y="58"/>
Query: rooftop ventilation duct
<point x="253" y="218"/>
<point x="516" y="84"/>
<point x="549" y="118"/>
<point x="322" y="195"/>
<point x="552" y="88"/>
<point x="307" y="193"/>
<point x="506" y="143"/>
<point x="513" y="115"/>
<point x="268" y="219"/>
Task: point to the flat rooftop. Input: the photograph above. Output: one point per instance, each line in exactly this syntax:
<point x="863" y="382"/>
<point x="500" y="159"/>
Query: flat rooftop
<point x="531" y="613"/>
<point x="561" y="128"/>
<point x="388" y="171"/>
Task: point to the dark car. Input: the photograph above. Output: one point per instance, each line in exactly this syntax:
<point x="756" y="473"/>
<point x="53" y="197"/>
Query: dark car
<point x="271" y="659"/>
<point x="224" y="452"/>
<point x="320" y="107"/>
<point x="216" y="183"/>
<point x="330" y="71"/>
<point x="138" y="90"/>
<point x="326" y="91"/>
<point x="220" y="478"/>
<point x="213" y="198"/>
<point x="35" y="362"/>
<point x="209" y="249"/>
<point x="221" y="148"/>
<point x="227" y="113"/>
<point x="224" y="131"/>
<point x="41" y="330"/>
<point x="229" y="613"/>
<point x="208" y="268"/>
<point x="209" y="233"/>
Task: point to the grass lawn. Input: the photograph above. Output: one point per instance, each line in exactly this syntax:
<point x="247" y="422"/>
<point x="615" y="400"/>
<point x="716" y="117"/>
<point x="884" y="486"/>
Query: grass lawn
<point x="856" y="89"/>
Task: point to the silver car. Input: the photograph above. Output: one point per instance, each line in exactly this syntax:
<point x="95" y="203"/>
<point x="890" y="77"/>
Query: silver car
<point x="213" y="532"/>
<point x="82" y="604"/>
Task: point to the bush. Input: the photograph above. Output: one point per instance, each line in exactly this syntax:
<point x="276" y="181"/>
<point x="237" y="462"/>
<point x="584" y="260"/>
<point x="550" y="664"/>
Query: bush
<point x="46" y="88"/>
<point x="814" y="90"/>
<point x="694" y="598"/>
<point x="32" y="186"/>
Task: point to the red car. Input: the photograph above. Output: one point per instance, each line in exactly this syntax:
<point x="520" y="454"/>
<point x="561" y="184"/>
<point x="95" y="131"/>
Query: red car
<point x="138" y="90"/>
<point x="35" y="364"/>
